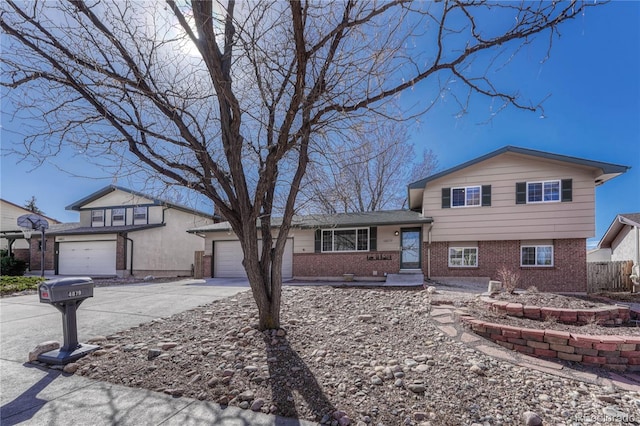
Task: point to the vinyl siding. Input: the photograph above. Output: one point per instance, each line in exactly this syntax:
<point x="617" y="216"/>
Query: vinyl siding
<point x="504" y="219"/>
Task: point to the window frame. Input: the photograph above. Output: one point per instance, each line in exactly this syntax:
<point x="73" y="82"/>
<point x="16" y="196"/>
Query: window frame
<point x="451" y="265"/>
<point x="137" y="220"/>
<point x="466" y="189"/>
<point x="357" y="234"/>
<point x="536" y="248"/>
<point x="122" y="221"/>
<point x="97" y="223"/>
<point x="543" y="183"/>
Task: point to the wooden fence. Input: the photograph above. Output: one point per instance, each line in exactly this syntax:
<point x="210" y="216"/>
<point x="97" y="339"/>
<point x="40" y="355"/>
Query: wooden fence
<point x="609" y="276"/>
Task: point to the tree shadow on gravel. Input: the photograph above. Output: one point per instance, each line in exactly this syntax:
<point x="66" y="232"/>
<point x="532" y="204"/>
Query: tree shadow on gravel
<point x="290" y="377"/>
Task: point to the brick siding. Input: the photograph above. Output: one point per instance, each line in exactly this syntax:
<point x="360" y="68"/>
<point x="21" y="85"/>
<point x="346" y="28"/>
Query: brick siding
<point x="337" y="264"/>
<point x="121" y="254"/>
<point x="35" y="262"/>
<point x="569" y="273"/>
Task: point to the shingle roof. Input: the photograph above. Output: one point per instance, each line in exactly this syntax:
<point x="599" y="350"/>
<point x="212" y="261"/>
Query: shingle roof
<point x="340" y="220"/>
<point x="102" y="229"/>
<point x="110" y="188"/>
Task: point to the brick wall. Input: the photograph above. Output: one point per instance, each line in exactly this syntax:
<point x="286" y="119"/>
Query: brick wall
<point x="621" y="353"/>
<point x="206" y="265"/>
<point x="569" y="273"/>
<point x="35" y="262"/>
<point x="122" y="254"/>
<point x="337" y="264"/>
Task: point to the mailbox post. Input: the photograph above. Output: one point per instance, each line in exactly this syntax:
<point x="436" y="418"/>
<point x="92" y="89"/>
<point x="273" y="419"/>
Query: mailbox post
<point x="66" y="294"/>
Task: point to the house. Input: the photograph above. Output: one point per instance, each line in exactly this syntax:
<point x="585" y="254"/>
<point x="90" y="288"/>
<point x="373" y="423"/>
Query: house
<point x="529" y="211"/>
<point x="11" y="236"/>
<point x="622" y="239"/>
<point x="121" y="233"/>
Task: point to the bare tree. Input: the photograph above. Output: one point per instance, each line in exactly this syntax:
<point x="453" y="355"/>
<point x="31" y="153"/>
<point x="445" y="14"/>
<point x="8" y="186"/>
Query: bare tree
<point x="226" y="98"/>
<point x="366" y="172"/>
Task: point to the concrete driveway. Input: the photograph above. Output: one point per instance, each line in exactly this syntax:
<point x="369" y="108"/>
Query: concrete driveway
<point x="35" y="396"/>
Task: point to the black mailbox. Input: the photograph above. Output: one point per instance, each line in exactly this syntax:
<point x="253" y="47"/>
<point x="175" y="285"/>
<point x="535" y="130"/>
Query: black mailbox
<point x="66" y="294"/>
<point x="66" y="289"/>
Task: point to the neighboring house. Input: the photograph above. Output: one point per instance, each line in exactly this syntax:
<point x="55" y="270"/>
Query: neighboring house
<point x="123" y="232"/>
<point x="527" y="210"/>
<point x="11" y="236"/>
<point x="622" y="239"/>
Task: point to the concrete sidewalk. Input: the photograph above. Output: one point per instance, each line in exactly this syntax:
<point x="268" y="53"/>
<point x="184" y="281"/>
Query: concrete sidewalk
<point x="33" y="395"/>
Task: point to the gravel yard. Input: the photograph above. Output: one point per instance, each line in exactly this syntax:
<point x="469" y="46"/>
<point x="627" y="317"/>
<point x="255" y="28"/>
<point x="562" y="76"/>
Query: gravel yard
<point x="349" y="356"/>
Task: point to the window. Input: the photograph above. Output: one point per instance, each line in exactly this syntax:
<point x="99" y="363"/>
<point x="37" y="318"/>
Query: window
<point x="117" y="216"/>
<point x="468" y="196"/>
<point x="139" y="215"/>
<point x="97" y="218"/>
<point x="465" y="197"/>
<point x="549" y="191"/>
<point x="345" y="240"/>
<point x="463" y="256"/>
<point x="543" y="192"/>
<point x="536" y="256"/>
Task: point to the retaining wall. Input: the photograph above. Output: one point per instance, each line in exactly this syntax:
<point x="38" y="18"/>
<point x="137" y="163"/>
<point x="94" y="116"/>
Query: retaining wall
<point x="620" y="353"/>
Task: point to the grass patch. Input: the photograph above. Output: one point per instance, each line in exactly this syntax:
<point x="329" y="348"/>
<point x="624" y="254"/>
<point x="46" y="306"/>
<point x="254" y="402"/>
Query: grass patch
<point x="10" y="285"/>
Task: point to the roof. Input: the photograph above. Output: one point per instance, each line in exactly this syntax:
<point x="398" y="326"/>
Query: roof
<point x="340" y="220"/>
<point x="606" y="168"/>
<point x="74" y="228"/>
<point x="27" y="211"/>
<point x="104" y="229"/>
<point x="77" y="206"/>
<point x="620" y="221"/>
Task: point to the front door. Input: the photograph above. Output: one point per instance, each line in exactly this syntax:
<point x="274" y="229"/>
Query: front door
<point x="410" y="248"/>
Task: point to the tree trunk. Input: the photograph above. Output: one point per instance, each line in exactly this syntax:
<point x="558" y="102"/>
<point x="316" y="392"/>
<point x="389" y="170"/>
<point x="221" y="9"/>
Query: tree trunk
<point x="266" y="283"/>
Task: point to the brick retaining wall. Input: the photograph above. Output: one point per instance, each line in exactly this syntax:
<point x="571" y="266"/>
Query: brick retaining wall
<point x="620" y="353"/>
<point x="605" y="315"/>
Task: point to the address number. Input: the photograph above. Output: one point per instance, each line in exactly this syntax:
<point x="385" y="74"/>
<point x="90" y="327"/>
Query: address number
<point x="75" y="293"/>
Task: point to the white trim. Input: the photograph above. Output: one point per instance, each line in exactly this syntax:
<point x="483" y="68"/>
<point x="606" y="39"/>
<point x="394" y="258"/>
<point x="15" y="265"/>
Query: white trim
<point x="536" y="256"/>
<point x="463" y="249"/>
<point x="465" y="188"/>
<point x="543" y="182"/>
<point x="333" y="240"/>
<point x="98" y="224"/>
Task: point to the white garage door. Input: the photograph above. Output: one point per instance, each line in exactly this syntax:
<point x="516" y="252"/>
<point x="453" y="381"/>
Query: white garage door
<point x="227" y="260"/>
<point x="87" y="258"/>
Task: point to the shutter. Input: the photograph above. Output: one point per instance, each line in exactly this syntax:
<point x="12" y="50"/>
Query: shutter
<point x="318" y="241"/>
<point x="373" y="238"/>
<point x="486" y="195"/>
<point x="446" y="198"/>
<point x="521" y="192"/>
<point x="566" y="186"/>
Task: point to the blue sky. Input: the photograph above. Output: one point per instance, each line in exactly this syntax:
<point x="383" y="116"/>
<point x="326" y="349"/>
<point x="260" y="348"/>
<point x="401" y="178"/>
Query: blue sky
<point x="592" y="77"/>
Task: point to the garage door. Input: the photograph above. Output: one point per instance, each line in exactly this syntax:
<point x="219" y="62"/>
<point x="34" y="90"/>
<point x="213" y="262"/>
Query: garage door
<point x="227" y="260"/>
<point x="87" y="258"/>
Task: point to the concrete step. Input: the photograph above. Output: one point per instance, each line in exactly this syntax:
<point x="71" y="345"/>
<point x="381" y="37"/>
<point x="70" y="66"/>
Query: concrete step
<point x="400" y="280"/>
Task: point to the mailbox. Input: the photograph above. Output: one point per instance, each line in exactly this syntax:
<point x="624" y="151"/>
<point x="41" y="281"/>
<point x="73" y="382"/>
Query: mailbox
<point x="65" y="290"/>
<point x="66" y="294"/>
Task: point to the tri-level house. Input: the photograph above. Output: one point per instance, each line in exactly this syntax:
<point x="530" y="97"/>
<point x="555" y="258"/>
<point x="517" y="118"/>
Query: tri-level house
<point x="526" y="210"/>
<point x="122" y="233"/>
